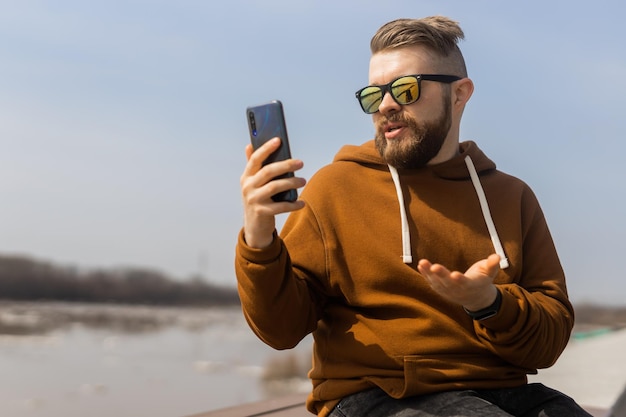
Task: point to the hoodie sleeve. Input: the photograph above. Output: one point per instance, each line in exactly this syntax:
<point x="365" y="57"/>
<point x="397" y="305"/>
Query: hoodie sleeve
<point x="278" y="301"/>
<point x="536" y="318"/>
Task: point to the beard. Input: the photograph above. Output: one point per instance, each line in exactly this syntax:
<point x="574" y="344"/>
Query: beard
<point x="423" y="143"/>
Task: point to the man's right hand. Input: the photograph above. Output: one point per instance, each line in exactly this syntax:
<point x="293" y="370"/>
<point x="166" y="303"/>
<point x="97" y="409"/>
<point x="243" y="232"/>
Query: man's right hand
<point x="257" y="188"/>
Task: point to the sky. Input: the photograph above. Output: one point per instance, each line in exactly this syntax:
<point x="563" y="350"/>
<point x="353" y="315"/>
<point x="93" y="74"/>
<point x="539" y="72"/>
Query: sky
<point x="122" y="123"/>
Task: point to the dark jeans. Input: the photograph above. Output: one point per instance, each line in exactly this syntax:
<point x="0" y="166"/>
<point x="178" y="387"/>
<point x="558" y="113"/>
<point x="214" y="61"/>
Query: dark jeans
<point x="532" y="400"/>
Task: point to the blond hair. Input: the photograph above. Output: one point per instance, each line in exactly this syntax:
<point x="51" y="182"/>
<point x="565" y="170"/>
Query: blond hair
<point x="438" y="34"/>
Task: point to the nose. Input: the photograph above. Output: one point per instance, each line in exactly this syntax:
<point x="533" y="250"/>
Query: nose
<point x="388" y="105"/>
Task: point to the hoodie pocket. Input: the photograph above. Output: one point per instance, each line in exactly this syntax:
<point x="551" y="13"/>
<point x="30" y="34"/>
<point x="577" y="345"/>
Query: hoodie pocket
<point x="427" y="374"/>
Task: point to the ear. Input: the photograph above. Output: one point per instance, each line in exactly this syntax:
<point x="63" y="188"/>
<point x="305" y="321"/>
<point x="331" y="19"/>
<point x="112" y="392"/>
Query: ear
<point x="462" y="91"/>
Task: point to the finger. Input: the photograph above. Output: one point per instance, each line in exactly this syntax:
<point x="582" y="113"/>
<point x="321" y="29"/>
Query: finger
<point x="257" y="175"/>
<point x="440" y="270"/>
<point x="429" y="272"/>
<point x="258" y="156"/>
<point x="492" y="265"/>
<point x="493" y="261"/>
<point x="276" y="186"/>
<point x="423" y="266"/>
<point x="276" y="169"/>
<point x="287" y="206"/>
<point x="249" y="150"/>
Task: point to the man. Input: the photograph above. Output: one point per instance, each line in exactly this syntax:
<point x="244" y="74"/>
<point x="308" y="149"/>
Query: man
<point x="428" y="278"/>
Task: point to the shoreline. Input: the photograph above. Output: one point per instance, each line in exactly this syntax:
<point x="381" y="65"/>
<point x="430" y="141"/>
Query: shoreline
<point x="41" y="317"/>
<point x="33" y="317"/>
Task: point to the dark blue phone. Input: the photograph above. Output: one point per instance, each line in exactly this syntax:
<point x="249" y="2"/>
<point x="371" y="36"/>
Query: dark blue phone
<point x="265" y="122"/>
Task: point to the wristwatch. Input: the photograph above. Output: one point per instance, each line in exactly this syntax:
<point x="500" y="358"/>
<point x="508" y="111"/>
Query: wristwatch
<point x="487" y="312"/>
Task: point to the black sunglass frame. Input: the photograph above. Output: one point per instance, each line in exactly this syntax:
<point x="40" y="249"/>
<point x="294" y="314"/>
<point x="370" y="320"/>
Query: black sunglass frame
<point x="386" y="88"/>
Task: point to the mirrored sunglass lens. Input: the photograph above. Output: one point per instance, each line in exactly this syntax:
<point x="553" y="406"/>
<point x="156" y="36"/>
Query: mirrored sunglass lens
<point x="405" y="90"/>
<point x="370" y="98"/>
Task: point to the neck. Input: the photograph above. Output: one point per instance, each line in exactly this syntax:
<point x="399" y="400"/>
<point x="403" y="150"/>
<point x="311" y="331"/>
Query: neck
<point x="449" y="150"/>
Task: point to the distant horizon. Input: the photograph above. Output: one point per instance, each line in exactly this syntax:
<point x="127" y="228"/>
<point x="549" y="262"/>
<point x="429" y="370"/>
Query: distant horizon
<point x="219" y="284"/>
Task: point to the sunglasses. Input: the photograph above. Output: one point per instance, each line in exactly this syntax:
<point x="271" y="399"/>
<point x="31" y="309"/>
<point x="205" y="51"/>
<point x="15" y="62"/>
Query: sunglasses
<point x="404" y="90"/>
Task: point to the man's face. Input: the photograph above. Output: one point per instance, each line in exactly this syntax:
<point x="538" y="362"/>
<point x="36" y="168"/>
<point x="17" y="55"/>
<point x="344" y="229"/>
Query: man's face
<point x="409" y="136"/>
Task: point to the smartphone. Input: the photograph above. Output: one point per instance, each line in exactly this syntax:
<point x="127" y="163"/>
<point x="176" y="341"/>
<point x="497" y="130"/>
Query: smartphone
<point x="265" y="122"/>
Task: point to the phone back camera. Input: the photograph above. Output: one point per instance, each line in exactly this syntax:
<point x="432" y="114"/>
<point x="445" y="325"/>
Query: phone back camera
<point x="252" y="123"/>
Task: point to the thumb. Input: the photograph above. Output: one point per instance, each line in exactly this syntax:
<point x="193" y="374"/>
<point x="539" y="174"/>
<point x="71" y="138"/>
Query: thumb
<point x="492" y="265"/>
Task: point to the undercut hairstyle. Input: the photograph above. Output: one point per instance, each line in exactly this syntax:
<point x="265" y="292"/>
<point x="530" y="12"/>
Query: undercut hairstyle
<point x="439" y="34"/>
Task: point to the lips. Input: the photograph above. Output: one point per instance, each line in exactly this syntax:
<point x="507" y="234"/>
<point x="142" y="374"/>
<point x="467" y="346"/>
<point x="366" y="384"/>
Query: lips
<point x="393" y="126"/>
<point x="392" y="130"/>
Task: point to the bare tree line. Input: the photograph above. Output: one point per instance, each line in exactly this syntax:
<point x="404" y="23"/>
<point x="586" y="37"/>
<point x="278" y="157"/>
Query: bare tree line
<point x="26" y="279"/>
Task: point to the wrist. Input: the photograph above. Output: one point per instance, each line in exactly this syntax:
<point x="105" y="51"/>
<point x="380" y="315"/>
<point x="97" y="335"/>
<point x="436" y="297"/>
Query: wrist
<point x="482" y="299"/>
<point x="487" y="312"/>
<point x="257" y="241"/>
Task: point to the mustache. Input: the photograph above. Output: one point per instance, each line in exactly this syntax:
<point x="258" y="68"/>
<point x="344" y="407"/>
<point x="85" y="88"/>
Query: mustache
<point x="394" y="118"/>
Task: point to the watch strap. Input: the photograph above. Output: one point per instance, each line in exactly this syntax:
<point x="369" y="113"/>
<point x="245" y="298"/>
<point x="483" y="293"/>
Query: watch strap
<point x="486" y="312"/>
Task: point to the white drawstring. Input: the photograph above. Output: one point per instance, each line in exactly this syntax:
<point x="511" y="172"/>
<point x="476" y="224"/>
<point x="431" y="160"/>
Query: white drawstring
<point x="407" y="258"/>
<point x="484" y="206"/>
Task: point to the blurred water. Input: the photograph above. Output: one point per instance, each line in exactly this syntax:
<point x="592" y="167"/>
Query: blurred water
<point x="172" y="371"/>
<point x="68" y="360"/>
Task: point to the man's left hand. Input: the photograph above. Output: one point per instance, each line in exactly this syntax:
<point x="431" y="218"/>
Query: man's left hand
<point x="473" y="289"/>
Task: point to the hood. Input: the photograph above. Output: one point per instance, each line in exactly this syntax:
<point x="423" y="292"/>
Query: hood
<point x="469" y="164"/>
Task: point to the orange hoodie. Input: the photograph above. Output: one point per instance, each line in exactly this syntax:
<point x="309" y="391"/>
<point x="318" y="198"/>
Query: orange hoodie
<point x="345" y="270"/>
